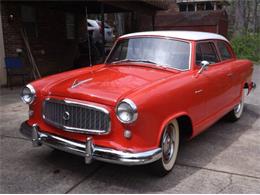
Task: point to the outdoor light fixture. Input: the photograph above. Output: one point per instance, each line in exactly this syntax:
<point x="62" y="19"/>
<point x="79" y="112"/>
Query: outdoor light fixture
<point x="11" y="18"/>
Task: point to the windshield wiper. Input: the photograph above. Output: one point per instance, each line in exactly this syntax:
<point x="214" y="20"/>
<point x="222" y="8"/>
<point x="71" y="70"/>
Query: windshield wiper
<point x="146" y="61"/>
<point x="133" y="60"/>
<point x="120" y="61"/>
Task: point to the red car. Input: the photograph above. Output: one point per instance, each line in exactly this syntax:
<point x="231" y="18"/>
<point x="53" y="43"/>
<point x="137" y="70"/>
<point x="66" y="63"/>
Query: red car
<point x="153" y="89"/>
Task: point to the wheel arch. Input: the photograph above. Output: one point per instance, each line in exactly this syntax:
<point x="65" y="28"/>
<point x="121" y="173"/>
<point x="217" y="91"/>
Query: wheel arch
<point x="185" y="126"/>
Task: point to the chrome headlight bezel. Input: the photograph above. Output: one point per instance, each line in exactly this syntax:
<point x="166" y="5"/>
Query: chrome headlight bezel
<point x="31" y="92"/>
<point x="127" y="105"/>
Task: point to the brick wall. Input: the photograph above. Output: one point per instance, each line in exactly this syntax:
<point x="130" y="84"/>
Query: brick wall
<point x="51" y="49"/>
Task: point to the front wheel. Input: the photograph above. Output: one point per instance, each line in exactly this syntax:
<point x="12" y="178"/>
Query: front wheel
<point x="170" y="146"/>
<point x="237" y="112"/>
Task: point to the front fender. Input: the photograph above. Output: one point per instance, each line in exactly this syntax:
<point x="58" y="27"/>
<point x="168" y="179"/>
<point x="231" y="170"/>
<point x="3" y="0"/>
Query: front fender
<point x="166" y="122"/>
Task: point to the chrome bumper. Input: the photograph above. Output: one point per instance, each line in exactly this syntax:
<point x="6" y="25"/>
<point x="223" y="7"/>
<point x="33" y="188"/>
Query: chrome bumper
<point x="88" y="149"/>
<point x="253" y="85"/>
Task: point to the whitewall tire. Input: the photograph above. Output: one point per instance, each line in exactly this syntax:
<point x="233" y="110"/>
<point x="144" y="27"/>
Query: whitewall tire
<point x="170" y="141"/>
<point x="238" y="110"/>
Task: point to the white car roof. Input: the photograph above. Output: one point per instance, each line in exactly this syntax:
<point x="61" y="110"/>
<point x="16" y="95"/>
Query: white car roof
<point x="187" y="35"/>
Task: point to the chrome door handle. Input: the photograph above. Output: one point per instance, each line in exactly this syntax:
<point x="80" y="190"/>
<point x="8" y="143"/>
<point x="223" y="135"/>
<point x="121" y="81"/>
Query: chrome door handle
<point x="198" y="91"/>
<point x="230" y="74"/>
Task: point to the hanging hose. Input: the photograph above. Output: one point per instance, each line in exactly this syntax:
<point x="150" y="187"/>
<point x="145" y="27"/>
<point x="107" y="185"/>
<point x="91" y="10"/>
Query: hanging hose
<point x="89" y="45"/>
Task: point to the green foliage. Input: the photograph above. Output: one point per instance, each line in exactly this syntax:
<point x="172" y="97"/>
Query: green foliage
<point x="247" y="46"/>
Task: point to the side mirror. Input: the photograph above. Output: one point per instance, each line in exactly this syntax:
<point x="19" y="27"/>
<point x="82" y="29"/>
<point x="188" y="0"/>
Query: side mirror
<point x="204" y="66"/>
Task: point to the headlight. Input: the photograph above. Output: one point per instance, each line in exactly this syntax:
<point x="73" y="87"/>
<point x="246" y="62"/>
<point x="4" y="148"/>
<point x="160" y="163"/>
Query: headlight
<point x="126" y="111"/>
<point x="28" y="94"/>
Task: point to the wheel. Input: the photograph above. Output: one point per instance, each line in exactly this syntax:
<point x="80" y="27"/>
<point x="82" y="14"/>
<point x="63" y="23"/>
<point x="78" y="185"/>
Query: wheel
<point x="237" y="112"/>
<point x="170" y="145"/>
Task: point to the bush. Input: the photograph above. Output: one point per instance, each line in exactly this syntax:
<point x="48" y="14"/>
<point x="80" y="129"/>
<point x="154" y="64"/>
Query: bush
<point x="247" y="46"/>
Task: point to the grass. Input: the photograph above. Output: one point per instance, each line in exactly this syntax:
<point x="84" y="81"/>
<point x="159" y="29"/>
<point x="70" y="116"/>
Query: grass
<point x="247" y="47"/>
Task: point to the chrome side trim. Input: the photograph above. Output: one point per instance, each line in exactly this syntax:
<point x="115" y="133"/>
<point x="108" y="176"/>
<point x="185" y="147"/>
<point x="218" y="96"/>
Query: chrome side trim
<point x="89" y="150"/>
<point x="73" y="129"/>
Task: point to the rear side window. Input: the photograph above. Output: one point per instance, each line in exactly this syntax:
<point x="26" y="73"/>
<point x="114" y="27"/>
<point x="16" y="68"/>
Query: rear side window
<point x="206" y="51"/>
<point x="223" y="50"/>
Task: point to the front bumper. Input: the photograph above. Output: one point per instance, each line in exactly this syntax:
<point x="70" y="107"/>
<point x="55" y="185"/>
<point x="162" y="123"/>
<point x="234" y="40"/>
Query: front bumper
<point x="88" y="149"/>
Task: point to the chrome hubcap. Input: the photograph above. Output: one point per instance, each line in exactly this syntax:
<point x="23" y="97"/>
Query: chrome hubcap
<point x="168" y="143"/>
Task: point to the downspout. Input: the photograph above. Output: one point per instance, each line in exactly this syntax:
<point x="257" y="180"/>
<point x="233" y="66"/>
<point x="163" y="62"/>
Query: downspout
<point x="103" y="30"/>
<point x="3" y="76"/>
<point x="88" y="39"/>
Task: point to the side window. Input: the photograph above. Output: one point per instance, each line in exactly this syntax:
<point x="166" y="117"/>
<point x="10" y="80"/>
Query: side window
<point x="223" y="50"/>
<point x="120" y="52"/>
<point x="206" y="51"/>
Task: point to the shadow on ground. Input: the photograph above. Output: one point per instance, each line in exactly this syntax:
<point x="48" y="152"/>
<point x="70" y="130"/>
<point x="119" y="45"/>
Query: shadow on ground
<point x="198" y="153"/>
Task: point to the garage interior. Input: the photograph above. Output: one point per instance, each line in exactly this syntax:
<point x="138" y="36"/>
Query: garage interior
<point x="44" y="38"/>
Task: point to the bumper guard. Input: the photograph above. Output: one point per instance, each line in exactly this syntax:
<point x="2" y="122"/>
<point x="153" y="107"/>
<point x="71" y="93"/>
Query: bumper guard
<point x="88" y="149"/>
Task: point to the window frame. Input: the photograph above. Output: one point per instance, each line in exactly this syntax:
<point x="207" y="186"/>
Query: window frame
<point x="160" y="37"/>
<point x="230" y="50"/>
<point x="214" y="48"/>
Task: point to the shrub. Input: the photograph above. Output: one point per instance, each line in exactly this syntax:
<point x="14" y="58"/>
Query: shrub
<point x="247" y="46"/>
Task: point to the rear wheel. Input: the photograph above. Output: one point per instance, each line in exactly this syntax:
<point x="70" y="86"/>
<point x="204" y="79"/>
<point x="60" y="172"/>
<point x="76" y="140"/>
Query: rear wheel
<point x="170" y="146"/>
<point x="237" y="112"/>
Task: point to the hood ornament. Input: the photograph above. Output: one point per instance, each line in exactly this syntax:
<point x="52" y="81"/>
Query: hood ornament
<point x="76" y="83"/>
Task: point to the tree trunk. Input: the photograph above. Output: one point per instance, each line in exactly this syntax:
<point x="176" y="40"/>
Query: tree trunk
<point x="240" y="16"/>
<point x="248" y="12"/>
<point x="255" y="17"/>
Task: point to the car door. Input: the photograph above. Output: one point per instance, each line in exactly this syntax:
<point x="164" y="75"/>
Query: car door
<point x="216" y="75"/>
<point x="198" y="92"/>
<point x="227" y="59"/>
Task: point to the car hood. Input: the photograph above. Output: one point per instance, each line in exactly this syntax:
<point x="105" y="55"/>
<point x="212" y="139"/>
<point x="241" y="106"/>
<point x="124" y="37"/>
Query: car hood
<point x="106" y="84"/>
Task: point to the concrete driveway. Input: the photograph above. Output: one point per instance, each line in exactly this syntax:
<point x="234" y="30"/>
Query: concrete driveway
<point x="224" y="159"/>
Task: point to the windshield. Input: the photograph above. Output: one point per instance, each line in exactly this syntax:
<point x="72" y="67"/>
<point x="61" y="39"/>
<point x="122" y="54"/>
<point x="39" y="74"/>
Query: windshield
<point x="156" y="51"/>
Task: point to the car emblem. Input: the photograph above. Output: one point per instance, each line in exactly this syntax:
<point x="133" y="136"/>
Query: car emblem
<point x="66" y="116"/>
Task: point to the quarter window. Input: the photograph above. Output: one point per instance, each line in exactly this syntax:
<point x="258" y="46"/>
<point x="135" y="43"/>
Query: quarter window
<point x="224" y="51"/>
<point x="206" y="51"/>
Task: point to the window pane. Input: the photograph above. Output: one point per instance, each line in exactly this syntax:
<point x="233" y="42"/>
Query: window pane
<point x="200" y="6"/>
<point x="70" y="26"/>
<point x="224" y="52"/>
<point x="206" y="51"/>
<point x="28" y="16"/>
<point x="198" y="55"/>
<point x="191" y="7"/>
<point x="182" y="7"/>
<point x="209" y="6"/>
<point x="164" y="52"/>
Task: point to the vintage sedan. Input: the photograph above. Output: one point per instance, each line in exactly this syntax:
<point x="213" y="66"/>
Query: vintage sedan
<point x="154" y="89"/>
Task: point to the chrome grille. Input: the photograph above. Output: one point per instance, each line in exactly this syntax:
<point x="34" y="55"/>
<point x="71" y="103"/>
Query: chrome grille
<point x="76" y="117"/>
